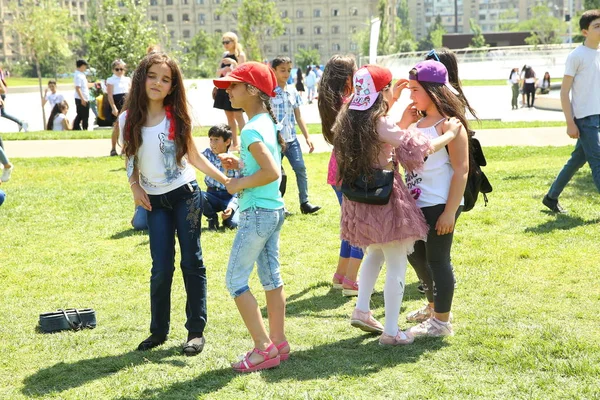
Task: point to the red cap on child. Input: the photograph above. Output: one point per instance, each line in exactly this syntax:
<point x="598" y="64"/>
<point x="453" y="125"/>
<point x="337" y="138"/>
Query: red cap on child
<point x="254" y="73"/>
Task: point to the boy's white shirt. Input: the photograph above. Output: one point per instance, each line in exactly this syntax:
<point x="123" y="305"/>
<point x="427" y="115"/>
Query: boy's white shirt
<point x="583" y="64"/>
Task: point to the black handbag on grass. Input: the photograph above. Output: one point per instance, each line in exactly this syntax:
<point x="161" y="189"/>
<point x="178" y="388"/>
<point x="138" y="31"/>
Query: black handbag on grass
<point x="376" y="191"/>
<point x="69" y="319"/>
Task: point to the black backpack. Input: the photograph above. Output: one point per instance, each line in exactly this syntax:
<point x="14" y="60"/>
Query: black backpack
<point x="477" y="182"/>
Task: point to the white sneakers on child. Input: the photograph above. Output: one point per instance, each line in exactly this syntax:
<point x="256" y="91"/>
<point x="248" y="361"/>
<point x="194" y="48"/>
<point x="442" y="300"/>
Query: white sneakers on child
<point x="6" y="174"/>
<point x="432" y="328"/>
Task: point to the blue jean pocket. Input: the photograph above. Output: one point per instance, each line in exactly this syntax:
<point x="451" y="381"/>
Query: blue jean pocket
<point x="266" y="222"/>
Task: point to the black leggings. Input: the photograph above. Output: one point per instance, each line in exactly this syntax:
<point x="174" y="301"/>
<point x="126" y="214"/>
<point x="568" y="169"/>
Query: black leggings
<point x="529" y="90"/>
<point x="431" y="261"/>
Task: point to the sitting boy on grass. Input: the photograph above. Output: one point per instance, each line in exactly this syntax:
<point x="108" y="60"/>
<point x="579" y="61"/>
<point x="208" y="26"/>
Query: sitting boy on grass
<point x="216" y="198"/>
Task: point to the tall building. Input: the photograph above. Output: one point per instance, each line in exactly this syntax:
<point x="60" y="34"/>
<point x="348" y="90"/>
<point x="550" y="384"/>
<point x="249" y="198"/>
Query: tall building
<point x="489" y="14"/>
<point x="11" y="49"/>
<point x="328" y="27"/>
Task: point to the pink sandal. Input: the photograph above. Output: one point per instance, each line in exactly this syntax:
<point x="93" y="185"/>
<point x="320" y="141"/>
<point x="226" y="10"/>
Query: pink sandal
<point x="352" y="290"/>
<point x="283" y="356"/>
<point x="337" y="280"/>
<point x="268" y="362"/>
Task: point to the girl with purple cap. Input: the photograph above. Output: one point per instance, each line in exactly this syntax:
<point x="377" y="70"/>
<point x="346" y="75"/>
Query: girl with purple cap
<point x="438" y="190"/>
<point x="365" y="137"/>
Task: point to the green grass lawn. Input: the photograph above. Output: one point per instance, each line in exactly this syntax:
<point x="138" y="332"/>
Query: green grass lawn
<point x="313" y="129"/>
<point x="524" y="310"/>
<point x="18" y="81"/>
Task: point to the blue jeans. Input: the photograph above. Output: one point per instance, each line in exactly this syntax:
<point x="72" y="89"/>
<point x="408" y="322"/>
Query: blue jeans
<point x="346" y="250"/>
<point x="2" y="197"/>
<point x="216" y="201"/>
<point x="587" y="149"/>
<point x="180" y="211"/>
<point x="294" y="156"/>
<point x="257" y="240"/>
<point x="140" y="219"/>
<point x="4" y="114"/>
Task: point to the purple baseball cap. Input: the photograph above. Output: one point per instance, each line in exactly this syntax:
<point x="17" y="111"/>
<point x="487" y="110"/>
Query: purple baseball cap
<point x="432" y="71"/>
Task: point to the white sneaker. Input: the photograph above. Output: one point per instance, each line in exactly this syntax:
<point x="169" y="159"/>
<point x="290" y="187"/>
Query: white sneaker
<point x="432" y="328"/>
<point x="24" y="126"/>
<point x="6" y="174"/>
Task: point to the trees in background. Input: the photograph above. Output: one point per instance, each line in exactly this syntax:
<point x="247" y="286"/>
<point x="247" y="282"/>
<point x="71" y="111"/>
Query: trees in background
<point x="256" y="20"/>
<point x="478" y="40"/>
<point x="305" y="57"/>
<point x="544" y="27"/>
<point x="43" y="28"/>
<point x="119" y="32"/>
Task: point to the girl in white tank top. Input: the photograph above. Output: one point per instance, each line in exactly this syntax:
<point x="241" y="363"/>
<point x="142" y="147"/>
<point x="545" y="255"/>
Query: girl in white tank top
<point x="438" y="190"/>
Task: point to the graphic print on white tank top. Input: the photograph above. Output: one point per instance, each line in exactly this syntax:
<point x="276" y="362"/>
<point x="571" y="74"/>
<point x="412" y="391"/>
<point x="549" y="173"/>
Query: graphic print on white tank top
<point x="430" y="186"/>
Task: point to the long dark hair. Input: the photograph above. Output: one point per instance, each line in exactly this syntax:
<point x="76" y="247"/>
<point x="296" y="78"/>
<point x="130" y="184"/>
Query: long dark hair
<point x="299" y="75"/>
<point x="448" y="105"/>
<point x="529" y="72"/>
<point x="333" y="86"/>
<point x="136" y="104"/>
<point x="57" y="109"/>
<point x="357" y="149"/>
<point x="448" y="58"/>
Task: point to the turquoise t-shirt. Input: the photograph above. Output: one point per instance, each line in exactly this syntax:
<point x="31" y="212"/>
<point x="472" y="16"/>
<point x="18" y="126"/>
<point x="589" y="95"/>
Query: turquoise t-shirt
<point x="260" y="129"/>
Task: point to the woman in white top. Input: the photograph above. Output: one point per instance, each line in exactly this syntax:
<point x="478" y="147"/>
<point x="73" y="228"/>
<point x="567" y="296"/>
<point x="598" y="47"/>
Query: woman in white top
<point x="58" y="120"/>
<point x="117" y="87"/>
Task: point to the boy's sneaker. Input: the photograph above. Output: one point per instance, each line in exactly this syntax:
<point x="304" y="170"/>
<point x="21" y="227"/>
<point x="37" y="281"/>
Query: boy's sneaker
<point x="400" y="339"/>
<point x="6" y="174"/>
<point x="213" y="224"/>
<point x="553" y="205"/>
<point x="420" y="315"/>
<point x="365" y="321"/>
<point x="24" y="126"/>
<point x="432" y="328"/>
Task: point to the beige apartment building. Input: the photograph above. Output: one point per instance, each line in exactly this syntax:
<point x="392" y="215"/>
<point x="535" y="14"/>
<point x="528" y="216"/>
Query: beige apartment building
<point x="489" y="14"/>
<point x="327" y="26"/>
<point x="10" y="47"/>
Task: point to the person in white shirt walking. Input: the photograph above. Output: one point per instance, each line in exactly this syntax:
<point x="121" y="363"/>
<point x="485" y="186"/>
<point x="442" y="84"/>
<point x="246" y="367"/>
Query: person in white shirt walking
<point x="82" y="97"/>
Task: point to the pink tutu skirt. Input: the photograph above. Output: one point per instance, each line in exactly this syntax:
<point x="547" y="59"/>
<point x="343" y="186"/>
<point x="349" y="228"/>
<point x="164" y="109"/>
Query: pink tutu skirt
<point x="400" y="220"/>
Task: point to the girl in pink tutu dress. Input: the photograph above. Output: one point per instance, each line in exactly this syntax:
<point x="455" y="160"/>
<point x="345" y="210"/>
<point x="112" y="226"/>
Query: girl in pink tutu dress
<point x="366" y="138"/>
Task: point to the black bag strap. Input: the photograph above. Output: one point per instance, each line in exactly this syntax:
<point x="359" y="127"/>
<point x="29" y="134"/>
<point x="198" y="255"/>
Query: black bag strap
<point x="76" y="326"/>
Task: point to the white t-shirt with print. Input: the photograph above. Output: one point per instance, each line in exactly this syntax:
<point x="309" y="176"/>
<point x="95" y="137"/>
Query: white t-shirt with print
<point x="583" y="64"/>
<point x="156" y="160"/>
<point x="81" y="82"/>
<point x="121" y="84"/>
<point x="54" y="98"/>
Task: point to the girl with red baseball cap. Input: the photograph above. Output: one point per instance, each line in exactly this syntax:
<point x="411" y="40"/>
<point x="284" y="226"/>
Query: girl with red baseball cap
<point x="250" y="87"/>
<point x="367" y="138"/>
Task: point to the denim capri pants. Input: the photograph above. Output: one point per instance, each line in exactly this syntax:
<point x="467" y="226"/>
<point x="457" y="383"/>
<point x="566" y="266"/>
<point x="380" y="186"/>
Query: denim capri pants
<point x="257" y="240"/>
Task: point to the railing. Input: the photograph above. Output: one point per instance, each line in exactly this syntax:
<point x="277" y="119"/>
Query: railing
<point x="489" y="63"/>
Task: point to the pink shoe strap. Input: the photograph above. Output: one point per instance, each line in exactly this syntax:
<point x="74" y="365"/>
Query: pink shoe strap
<point x="347" y="281"/>
<point x="338" y="277"/>
<point x="282" y="345"/>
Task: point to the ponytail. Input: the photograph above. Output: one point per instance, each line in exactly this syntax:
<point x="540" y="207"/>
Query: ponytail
<point x="267" y="103"/>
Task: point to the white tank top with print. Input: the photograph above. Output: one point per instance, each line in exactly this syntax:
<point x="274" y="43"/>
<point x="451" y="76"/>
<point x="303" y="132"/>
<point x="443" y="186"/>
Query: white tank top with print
<point x="430" y="186"/>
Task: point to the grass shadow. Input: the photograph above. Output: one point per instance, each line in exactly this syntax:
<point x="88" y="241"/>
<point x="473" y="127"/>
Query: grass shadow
<point x="562" y="222"/>
<point x="128" y="233"/>
<point x="64" y="376"/>
<point x="350" y="357"/>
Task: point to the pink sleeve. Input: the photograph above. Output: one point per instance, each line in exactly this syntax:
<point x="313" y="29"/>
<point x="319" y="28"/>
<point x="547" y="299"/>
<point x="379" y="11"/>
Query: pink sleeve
<point x="332" y="170"/>
<point x="411" y="145"/>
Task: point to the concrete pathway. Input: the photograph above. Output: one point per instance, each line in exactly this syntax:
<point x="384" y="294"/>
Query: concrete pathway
<point x="101" y="147"/>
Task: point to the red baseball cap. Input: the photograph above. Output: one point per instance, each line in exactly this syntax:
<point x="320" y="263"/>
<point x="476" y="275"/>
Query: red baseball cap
<point x="254" y="73"/>
<point x="368" y="82"/>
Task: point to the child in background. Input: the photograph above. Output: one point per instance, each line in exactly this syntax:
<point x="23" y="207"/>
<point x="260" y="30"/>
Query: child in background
<point x="365" y="137"/>
<point x="156" y="131"/>
<point x="250" y="87"/>
<point x="336" y="90"/>
<point x="53" y="97"/>
<point x="544" y="84"/>
<point x="438" y="190"/>
<point x="58" y="120"/>
<point x="216" y="198"/>
<point x="286" y="105"/>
